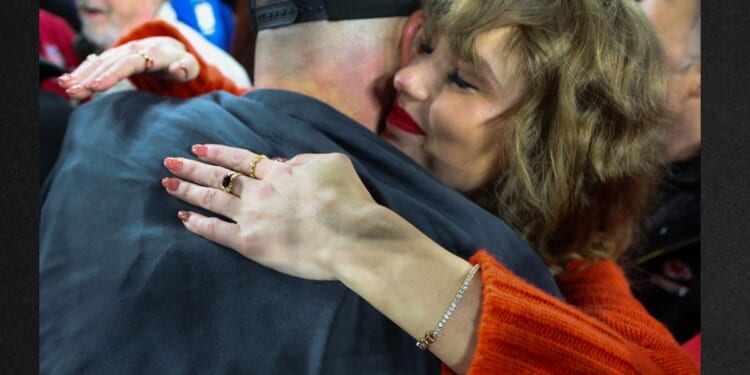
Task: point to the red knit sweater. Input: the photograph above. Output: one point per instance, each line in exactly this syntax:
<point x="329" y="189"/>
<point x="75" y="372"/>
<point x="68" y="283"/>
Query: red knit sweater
<point x="600" y="328"/>
<point x="209" y="79"/>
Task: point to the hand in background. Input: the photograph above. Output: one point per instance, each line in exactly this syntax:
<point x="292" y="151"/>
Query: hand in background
<point x="160" y="55"/>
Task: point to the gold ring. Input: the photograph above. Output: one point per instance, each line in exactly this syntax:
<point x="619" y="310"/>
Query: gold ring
<point x="148" y="62"/>
<point x="254" y="164"/>
<point x="228" y="181"/>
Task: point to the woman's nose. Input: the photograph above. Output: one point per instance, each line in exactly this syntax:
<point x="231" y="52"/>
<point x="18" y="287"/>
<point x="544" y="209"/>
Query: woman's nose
<point x="412" y="81"/>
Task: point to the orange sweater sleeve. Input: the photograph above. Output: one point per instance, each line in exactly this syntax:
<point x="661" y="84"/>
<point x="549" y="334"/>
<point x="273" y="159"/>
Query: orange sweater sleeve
<point x="209" y="79"/>
<point x="601" y="329"/>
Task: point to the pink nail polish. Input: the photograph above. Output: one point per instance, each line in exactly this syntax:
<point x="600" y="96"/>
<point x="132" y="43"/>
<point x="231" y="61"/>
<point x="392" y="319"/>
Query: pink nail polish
<point x="75" y="88"/>
<point x="183" y="215"/>
<point x="200" y="150"/>
<point x="170" y="183"/>
<point x="94" y="85"/>
<point x="173" y="164"/>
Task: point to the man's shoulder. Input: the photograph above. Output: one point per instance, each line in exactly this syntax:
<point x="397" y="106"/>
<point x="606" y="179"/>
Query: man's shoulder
<point x="267" y="99"/>
<point x="139" y="101"/>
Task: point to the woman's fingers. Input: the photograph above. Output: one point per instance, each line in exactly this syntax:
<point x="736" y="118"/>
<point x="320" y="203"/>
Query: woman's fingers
<point x="69" y="80"/>
<point x="162" y="55"/>
<point x="108" y="75"/>
<point x="211" y="199"/>
<point x="244" y="161"/>
<point x="184" y="69"/>
<point x="206" y="174"/>
<point x="283" y="220"/>
<point x="78" y="82"/>
<point x="73" y="82"/>
<point x="211" y="228"/>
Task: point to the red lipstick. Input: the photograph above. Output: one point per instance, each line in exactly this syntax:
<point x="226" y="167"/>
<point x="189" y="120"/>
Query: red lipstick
<point x="400" y="119"/>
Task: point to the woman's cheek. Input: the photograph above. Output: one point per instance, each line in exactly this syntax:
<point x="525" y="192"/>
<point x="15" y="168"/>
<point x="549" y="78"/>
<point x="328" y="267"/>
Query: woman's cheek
<point x="409" y="144"/>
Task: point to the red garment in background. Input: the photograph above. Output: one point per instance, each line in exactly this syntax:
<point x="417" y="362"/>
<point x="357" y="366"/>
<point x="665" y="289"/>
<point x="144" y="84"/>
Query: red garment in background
<point x="693" y="347"/>
<point x="56" y="45"/>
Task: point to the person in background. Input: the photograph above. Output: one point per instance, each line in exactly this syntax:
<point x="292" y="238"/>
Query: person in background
<point x="65" y="9"/>
<point x="667" y="279"/>
<point x="56" y="56"/>
<point x="214" y="19"/>
<point x="56" y="47"/>
<point x="104" y="21"/>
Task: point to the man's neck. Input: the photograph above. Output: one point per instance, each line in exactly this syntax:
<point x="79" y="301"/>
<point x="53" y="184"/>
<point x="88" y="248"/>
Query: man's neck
<point x="355" y="80"/>
<point x="360" y="97"/>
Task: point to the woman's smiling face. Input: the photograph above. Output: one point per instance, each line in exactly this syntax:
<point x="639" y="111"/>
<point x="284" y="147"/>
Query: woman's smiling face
<point x="449" y="113"/>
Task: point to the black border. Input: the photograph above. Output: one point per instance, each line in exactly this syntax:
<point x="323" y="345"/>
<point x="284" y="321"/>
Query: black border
<point x="20" y="159"/>
<point x="725" y="206"/>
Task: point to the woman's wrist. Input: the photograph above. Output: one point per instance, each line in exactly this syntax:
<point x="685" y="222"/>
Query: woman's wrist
<point x="375" y="240"/>
<point x="412" y="280"/>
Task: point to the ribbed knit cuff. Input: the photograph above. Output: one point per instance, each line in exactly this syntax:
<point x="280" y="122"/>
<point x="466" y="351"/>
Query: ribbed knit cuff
<point x="209" y="78"/>
<point x="523" y="330"/>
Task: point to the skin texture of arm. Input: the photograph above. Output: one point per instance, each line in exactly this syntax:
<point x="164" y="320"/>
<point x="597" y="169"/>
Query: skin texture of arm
<point x="601" y="330"/>
<point x="413" y="288"/>
<point x="502" y="325"/>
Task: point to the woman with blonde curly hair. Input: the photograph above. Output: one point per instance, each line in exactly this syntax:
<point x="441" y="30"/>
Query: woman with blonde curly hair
<point x="581" y="151"/>
<point x="544" y="112"/>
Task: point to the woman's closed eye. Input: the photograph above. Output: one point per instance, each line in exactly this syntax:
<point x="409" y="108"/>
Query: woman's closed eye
<point x="457" y="80"/>
<point x="425" y="48"/>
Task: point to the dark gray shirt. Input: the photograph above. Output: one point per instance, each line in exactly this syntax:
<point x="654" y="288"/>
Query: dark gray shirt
<point x="124" y="288"/>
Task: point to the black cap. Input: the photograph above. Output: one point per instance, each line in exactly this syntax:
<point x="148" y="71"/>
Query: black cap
<point x="281" y="13"/>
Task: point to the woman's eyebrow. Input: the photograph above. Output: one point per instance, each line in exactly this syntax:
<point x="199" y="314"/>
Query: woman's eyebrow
<point x="486" y="72"/>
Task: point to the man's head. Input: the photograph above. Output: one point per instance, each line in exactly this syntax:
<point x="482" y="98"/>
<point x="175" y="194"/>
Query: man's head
<point x="103" y="21"/>
<point x="344" y="53"/>
<point x="678" y="24"/>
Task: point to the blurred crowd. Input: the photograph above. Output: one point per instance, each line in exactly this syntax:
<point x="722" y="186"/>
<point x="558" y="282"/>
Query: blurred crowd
<point x="71" y="30"/>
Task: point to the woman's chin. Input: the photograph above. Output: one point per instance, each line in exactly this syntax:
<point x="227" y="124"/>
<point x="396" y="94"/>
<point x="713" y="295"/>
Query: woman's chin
<point x="409" y="144"/>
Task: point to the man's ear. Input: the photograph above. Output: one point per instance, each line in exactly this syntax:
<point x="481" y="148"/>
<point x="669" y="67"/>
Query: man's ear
<point x="408" y="37"/>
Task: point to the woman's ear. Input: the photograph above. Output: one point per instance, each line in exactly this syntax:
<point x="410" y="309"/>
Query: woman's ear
<point x="408" y="36"/>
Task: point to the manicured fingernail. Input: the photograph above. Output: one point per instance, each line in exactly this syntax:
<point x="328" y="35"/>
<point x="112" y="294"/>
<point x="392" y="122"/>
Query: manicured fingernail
<point x="64" y="78"/>
<point x="173" y="164"/>
<point x="74" y="89"/>
<point x="170" y="183"/>
<point x="183" y="215"/>
<point x="280" y="158"/>
<point x="95" y="84"/>
<point x="200" y="150"/>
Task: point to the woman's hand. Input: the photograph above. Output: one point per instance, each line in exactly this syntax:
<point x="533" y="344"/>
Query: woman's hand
<point x="160" y="55"/>
<point x="294" y="217"/>
<point x="312" y="217"/>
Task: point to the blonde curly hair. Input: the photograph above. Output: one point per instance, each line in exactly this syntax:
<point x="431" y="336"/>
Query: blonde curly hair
<point x="582" y="159"/>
